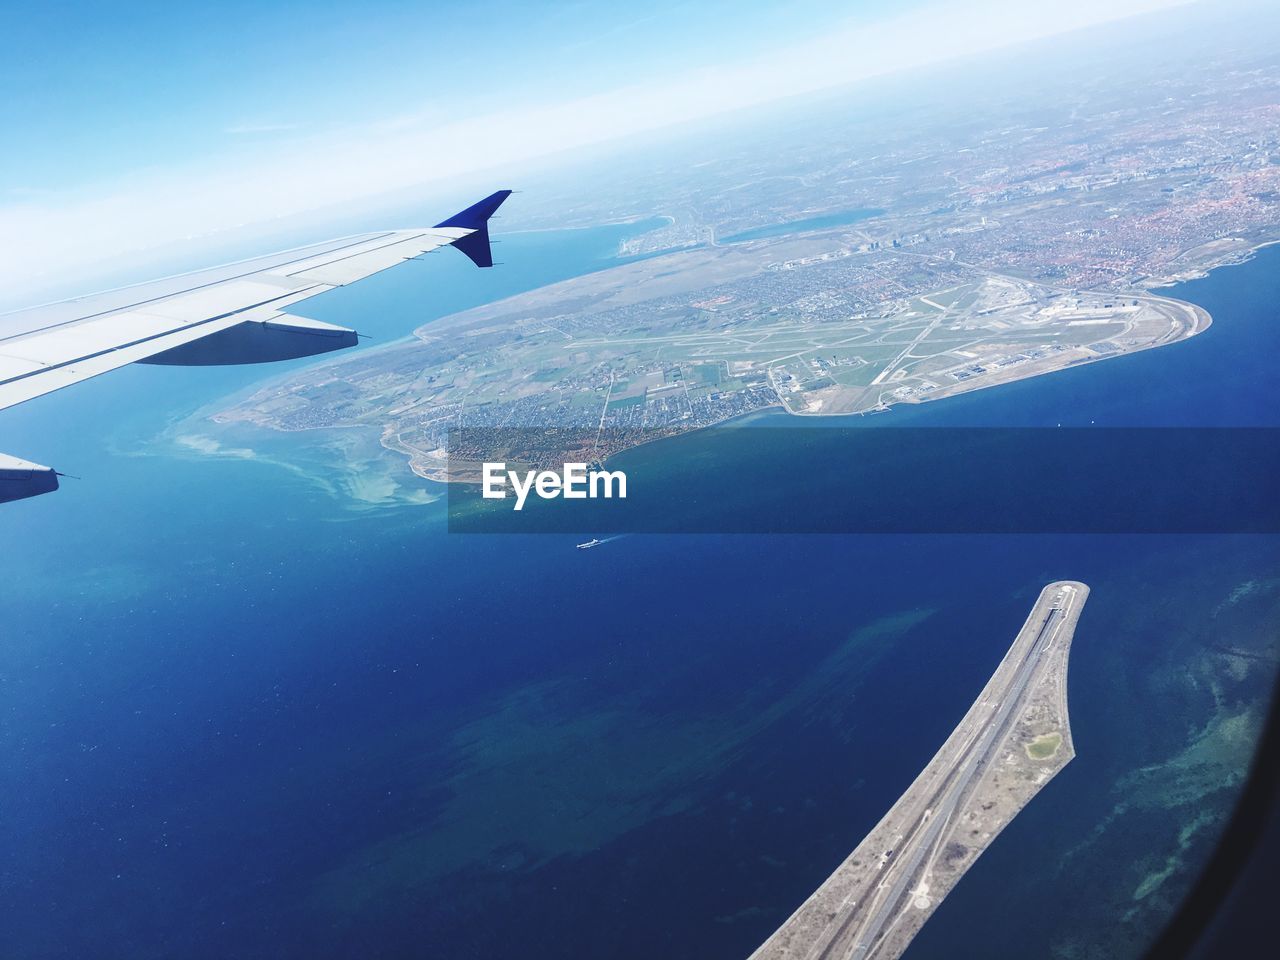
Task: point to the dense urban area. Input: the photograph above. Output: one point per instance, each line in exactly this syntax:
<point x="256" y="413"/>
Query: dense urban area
<point x="868" y="263"/>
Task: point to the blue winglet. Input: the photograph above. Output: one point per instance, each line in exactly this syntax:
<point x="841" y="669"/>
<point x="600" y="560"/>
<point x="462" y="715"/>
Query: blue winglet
<point x="476" y="217"/>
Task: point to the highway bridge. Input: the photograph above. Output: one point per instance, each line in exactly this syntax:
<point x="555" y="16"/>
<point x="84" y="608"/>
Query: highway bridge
<point x="878" y="899"/>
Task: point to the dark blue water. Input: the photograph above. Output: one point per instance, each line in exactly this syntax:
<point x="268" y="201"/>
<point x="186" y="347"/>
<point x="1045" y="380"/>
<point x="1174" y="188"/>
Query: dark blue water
<point x="241" y="720"/>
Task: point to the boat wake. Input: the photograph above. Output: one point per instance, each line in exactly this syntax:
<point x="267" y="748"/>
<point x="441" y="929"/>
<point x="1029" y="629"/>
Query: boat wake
<point x="599" y="543"/>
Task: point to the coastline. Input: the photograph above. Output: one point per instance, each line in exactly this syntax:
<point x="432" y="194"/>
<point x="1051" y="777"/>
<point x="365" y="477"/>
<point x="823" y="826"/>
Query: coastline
<point x="1199" y="320"/>
<point x="1240" y="256"/>
<point x="435" y="470"/>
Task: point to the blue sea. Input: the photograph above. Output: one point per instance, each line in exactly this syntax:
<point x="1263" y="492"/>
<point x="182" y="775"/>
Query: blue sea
<point x="256" y="707"/>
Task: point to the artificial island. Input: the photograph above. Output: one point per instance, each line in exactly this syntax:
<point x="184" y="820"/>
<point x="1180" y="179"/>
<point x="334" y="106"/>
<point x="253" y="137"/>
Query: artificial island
<point x="1014" y="739"/>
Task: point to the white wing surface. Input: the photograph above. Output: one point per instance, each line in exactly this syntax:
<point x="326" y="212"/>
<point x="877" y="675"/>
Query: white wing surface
<point x="229" y="314"/>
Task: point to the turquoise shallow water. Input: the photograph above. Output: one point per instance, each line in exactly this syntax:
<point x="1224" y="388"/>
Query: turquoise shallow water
<point x="246" y="715"/>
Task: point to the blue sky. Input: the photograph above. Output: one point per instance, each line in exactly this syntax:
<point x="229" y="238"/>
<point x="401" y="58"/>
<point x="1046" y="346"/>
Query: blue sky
<point x="106" y="88"/>
<point x="129" y="127"/>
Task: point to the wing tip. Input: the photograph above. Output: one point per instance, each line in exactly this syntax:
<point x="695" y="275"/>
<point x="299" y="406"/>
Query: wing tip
<point x="20" y="479"/>
<point x="476" y="218"/>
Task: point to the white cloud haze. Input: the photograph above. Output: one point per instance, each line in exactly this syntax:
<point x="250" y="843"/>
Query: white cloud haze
<point x="47" y="235"/>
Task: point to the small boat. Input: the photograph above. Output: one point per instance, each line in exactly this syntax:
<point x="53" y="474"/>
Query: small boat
<point x="589" y="544"/>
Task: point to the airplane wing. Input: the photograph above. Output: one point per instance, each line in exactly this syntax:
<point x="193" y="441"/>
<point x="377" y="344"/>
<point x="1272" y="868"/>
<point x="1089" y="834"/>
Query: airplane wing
<point x="229" y="314"/>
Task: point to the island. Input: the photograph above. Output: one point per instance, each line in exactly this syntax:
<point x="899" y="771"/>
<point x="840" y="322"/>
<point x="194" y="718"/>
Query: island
<point x="827" y="263"/>
<point x="811" y="324"/>
<point x="1015" y="738"/>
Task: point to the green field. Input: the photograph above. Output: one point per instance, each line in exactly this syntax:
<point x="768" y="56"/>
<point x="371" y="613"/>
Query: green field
<point x="637" y="401"/>
<point x="709" y="374"/>
<point x="1044" y="747"/>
